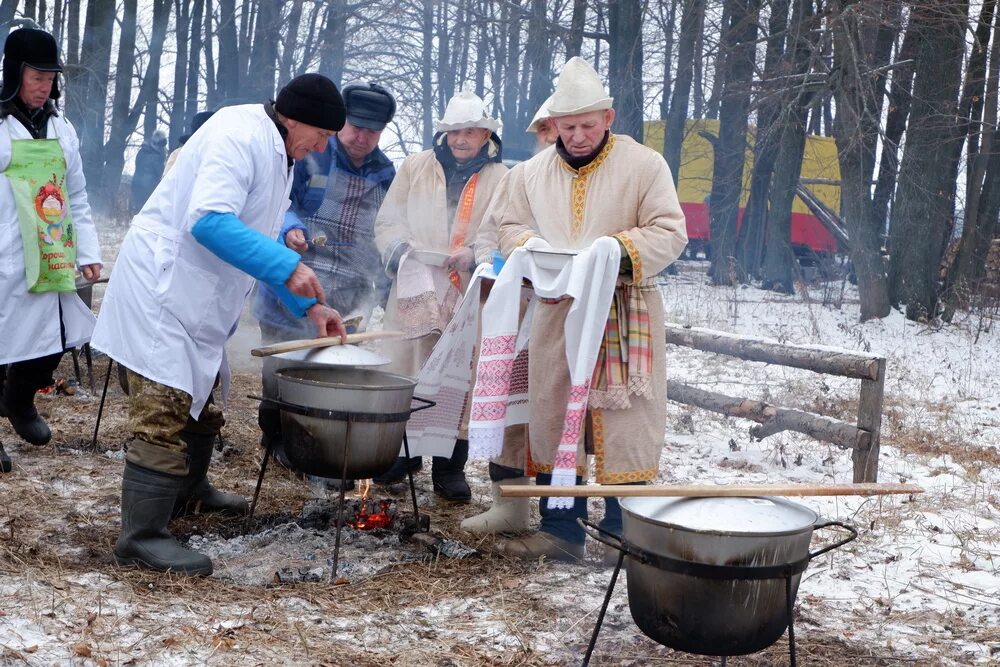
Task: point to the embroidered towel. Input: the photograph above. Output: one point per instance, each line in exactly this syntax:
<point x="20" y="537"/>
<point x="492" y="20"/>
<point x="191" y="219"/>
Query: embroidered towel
<point x="589" y="279"/>
<point x="426" y="297"/>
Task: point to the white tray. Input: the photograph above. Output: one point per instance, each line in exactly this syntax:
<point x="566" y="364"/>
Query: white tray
<point x="552" y="258"/>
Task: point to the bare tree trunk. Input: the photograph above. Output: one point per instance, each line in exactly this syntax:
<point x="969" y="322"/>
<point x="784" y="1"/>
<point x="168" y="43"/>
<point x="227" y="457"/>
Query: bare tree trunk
<point x="779" y="259"/>
<point x="72" y="32"/>
<point x="698" y="93"/>
<point x="750" y="238"/>
<point x="574" y="41"/>
<point x="286" y="67"/>
<point x="625" y="59"/>
<point x="228" y="77"/>
<point x="856" y="133"/>
<point x="182" y="12"/>
<point x="899" y="110"/>
<point x="674" y="127"/>
<point x="667" y="24"/>
<point x="446" y="75"/>
<point x="427" y="58"/>
<point x="719" y="67"/>
<point x="194" y="63"/>
<point x="211" y="90"/>
<point x="104" y="192"/>
<point x="148" y="102"/>
<point x="923" y="215"/>
<point x="264" y="55"/>
<point x="511" y="31"/>
<point x="245" y="48"/>
<point x="95" y="67"/>
<point x="980" y="214"/>
<point x="739" y="41"/>
<point x="334" y="37"/>
<point x="57" y="21"/>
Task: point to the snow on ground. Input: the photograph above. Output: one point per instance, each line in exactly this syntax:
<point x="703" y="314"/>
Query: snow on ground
<point x="919" y="586"/>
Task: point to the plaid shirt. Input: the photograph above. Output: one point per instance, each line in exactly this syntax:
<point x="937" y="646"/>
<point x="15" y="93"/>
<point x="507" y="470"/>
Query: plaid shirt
<point x="332" y="198"/>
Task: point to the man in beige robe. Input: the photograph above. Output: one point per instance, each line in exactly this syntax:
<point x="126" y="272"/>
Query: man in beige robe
<point x="432" y="213"/>
<point x="592" y="184"/>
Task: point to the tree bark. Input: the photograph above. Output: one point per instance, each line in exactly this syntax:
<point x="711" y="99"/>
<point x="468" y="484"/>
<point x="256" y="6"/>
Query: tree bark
<point x="182" y="21"/>
<point x="667" y="24"/>
<point x="923" y="215"/>
<point x="750" y="238"/>
<point x="739" y="41"/>
<point x="426" y="63"/>
<point x="856" y="134"/>
<point x="7" y="10"/>
<point x="95" y="67"/>
<point x="625" y="57"/>
<point x="104" y="192"/>
<point x="194" y="63"/>
<point x="674" y="127"/>
<point x="228" y="79"/>
<point x="574" y="40"/>
<point x="264" y="55"/>
<point x="899" y="109"/>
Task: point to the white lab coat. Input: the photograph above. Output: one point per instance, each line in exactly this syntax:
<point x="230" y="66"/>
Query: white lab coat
<point x="171" y="304"/>
<point x="29" y="323"/>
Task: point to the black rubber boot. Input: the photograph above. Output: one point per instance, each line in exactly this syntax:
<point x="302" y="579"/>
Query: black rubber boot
<point x="5" y="462"/>
<point x="397" y="473"/>
<point x="148" y="499"/>
<point x="18" y="403"/>
<point x="197" y="495"/>
<point x="448" y="475"/>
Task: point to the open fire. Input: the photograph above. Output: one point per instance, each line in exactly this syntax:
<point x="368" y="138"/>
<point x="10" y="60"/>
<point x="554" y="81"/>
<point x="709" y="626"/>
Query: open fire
<point x="372" y="513"/>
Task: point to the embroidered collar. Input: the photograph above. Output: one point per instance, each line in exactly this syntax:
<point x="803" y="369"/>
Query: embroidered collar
<point x="590" y="164"/>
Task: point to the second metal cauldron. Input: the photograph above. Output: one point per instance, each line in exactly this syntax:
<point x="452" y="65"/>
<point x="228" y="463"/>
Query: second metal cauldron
<point x="707" y="575"/>
<point x="327" y="412"/>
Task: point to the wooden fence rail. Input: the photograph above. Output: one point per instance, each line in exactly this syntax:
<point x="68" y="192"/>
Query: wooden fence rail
<point x="862" y="438"/>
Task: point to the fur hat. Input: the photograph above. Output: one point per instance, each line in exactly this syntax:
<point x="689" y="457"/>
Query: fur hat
<point x="314" y="100"/>
<point x="36" y="49"/>
<point x="369" y="105"/>
<point x="579" y="90"/>
<point x="466" y="109"/>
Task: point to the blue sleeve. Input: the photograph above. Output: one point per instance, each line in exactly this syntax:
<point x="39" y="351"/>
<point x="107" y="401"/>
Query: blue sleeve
<point x="292" y="221"/>
<point x="251" y="252"/>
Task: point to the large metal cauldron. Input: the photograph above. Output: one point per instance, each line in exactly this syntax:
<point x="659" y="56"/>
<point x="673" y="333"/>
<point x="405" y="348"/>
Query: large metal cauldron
<point x="716" y="576"/>
<point x="327" y="412"/>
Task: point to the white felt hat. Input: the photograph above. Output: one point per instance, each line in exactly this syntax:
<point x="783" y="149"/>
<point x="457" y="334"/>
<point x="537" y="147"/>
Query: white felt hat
<point x="540" y="115"/>
<point x="466" y="109"/>
<point x="579" y="90"/>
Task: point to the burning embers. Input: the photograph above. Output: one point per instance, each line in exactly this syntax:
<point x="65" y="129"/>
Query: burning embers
<point x="371" y="513"/>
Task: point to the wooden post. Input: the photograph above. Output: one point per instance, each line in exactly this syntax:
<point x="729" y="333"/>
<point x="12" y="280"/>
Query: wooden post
<point x="870" y="419"/>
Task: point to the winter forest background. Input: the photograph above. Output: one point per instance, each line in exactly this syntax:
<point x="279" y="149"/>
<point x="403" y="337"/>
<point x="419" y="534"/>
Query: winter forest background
<point x="908" y="90"/>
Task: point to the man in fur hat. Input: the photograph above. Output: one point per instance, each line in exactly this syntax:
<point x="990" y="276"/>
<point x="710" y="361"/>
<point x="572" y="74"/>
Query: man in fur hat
<point x="593" y="184"/>
<point x="425" y="232"/>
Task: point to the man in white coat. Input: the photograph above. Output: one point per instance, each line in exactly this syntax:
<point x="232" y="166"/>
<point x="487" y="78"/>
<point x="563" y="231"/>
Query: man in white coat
<point x="184" y="271"/>
<point x="41" y="314"/>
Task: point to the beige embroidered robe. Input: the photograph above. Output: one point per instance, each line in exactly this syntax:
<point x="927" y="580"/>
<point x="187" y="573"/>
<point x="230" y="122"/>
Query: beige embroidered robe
<point x="415" y="211"/>
<point x="626" y="192"/>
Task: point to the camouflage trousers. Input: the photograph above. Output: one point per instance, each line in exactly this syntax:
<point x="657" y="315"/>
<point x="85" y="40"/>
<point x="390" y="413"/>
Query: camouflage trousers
<point x="161" y="425"/>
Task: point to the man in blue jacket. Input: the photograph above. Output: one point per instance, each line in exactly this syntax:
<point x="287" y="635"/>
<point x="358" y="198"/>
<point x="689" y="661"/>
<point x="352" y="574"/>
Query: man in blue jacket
<point x="335" y="196"/>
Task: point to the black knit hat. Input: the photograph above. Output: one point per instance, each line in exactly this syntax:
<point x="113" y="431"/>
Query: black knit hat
<point x="369" y="105"/>
<point x="314" y="100"/>
<point x="34" y="48"/>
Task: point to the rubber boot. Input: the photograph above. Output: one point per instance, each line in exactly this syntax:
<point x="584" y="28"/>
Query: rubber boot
<point x="148" y="499"/>
<point x="197" y="495"/>
<point x="397" y="473"/>
<point x="448" y="475"/>
<point x="18" y="404"/>
<point x="5" y="462"/>
<point x="506" y="515"/>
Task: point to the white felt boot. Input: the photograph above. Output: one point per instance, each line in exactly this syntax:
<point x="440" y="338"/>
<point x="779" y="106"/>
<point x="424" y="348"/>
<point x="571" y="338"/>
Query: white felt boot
<point x="507" y="515"/>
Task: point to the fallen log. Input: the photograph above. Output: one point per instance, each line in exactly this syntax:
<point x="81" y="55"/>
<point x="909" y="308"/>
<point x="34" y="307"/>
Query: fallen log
<point x="810" y="357"/>
<point x="772" y="419"/>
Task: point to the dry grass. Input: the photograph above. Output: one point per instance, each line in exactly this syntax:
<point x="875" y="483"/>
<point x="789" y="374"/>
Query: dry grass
<point x="59" y="519"/>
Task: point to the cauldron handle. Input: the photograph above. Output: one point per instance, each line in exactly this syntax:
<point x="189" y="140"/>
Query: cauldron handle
<point x="826" y="524"/>
<point x="612" y="540"/>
